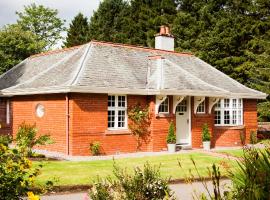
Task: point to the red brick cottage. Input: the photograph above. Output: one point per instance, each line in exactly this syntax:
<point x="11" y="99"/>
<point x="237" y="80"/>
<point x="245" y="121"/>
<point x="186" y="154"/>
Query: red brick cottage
<point x="81" y="94"/>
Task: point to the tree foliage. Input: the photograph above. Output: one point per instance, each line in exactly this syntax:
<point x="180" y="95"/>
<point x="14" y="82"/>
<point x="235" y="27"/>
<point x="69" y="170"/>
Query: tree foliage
<point x="78" y="31"/>
<point x="43" y="22"/>
<point x="17" y="44"/>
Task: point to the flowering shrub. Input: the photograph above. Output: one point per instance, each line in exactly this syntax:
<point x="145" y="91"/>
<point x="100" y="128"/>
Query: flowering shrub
<point x="16" y="174"/>
<point x="26" y="138"/>
<point x="139" y="122"/>
<point x="144" y="184"/>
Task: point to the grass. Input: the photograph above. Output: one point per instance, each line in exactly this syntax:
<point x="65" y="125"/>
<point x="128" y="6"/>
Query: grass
<point x="232" y="152"/>
<point x="85" y="172"/>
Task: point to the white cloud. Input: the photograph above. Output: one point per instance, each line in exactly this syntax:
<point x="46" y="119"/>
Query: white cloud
<point x="67" y="8"/>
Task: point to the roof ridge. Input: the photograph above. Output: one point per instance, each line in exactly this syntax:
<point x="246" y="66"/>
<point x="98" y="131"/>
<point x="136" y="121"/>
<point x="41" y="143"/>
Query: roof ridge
<point x="81" y="64"/>
<point x="56" y="51"/>
<point x="140" y="47"/>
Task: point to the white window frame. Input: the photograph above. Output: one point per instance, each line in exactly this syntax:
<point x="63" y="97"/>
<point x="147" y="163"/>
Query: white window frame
<point x="168" y="106"/>
<point x="8" y="112"/>
<point x="201" y="104"/>
<point x="116" y="109"/>
<point x="238" y="108"/>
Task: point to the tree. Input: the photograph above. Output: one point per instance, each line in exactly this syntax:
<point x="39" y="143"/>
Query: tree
<point x="108" y="23"/>
<point x="233" y="36"/>
<point x="43" y="22"/>
<point x="78" y="31"/>
<point x="16" y="45"/>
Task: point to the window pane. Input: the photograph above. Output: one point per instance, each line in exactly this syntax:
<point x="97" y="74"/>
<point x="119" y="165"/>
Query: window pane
<point x="239" y="117"/>
<point x="121" y="101"/>
<point x="226" y="103"/>
<point x="234" y="116"/>
<point x="201" y="107"/>
<point x="121" y="118"/>
<point x="111" y="101"/>
<point x="240" y="103"/>
<point x="217" y="117"/>
<point x="111" y="118"/>
<point x="226" y="117"/>
<point x="164" y="106"/>
<point x="182" y="106"/>
<point x="234" y="103"/>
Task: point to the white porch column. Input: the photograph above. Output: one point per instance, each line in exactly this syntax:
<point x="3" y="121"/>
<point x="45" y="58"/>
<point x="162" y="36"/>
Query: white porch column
<point x="197" y="101"/>
<point x="176" y="100"/>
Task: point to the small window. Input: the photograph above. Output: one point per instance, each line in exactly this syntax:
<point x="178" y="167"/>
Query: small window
<point x="201" y="107"/>
<point x="164" y="106"/>
<point x="182" y="106"/>
<point x="117" y="111"/>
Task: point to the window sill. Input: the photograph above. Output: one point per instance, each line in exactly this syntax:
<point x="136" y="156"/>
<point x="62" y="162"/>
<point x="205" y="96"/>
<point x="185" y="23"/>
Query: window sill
<point x="118" y="132"/>
<point x="231" y="127"/>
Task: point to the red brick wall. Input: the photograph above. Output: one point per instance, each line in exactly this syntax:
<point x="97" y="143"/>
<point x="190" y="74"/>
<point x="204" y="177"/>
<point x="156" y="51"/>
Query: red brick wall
<point x="89" y="123"/>
<point x="197" y="122"/>
<point x="53" y="122"/>
<point x="4" y="127"/>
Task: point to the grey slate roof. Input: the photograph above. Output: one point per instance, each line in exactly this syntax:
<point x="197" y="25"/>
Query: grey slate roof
<point x="99" y="67"/>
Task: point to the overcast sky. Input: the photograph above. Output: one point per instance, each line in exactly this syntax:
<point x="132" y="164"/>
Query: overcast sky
<point x="67" y="8"/>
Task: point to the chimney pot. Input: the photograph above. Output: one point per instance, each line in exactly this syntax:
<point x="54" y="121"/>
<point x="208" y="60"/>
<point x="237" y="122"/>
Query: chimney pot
<point x="162" y="30"/>
<point x="167" y="30"/>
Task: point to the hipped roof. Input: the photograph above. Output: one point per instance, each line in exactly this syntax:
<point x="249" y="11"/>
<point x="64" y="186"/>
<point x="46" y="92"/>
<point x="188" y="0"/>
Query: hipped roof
<point x="102" y="67"/>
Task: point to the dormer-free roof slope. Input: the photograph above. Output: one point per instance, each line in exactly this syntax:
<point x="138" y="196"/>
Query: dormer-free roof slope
<point x="101" y="67"/>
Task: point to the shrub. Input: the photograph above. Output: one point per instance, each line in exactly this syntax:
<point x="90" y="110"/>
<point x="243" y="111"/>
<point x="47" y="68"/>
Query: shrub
<point x="171" y="137"/>
<point x="251" y="179"/>
<point x="253" y="137"/>
<point x="144" y="184"/>
<point x="139" y="122"/>
<point x="26" y="138"/>
<point x="5" y="139"/>
<point x="205" y="133"/>
<point x="95" y="148"/>
<point x="16" y="174"/>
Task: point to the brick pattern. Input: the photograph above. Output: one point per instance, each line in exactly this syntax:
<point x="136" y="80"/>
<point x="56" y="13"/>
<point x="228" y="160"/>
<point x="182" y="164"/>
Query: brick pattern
<point x="88" y="123"/>
<point x="197" y="122"/>
<point x="53" y="122"/>
<point x="4" y="127"/>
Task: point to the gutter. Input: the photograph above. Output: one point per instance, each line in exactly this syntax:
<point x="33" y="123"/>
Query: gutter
<point x="67" y="124"/>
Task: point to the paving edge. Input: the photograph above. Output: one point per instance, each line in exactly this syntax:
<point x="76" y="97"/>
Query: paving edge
<point x="68" y="189"/>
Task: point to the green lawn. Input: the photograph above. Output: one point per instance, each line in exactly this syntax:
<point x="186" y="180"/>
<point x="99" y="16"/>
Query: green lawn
<point x="234" y="152"/>
<point x="85" y="172"/>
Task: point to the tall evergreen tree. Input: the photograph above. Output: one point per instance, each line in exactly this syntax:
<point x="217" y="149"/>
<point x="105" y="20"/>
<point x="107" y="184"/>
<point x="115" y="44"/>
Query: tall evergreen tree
<point x="109" y="21"/>
<point x="78" y="31"/>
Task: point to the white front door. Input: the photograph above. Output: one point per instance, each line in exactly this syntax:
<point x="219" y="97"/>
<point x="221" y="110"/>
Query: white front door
<point x="182" y="122"/>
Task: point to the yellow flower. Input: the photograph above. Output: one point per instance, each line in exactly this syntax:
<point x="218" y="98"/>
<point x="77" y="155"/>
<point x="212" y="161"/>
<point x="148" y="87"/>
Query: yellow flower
<point x="31" y="196"/>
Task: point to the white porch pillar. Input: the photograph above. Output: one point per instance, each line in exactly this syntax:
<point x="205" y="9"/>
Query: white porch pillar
<point x="212" y="102"/>
<point x="197" y="101"/>
<point x="176" y="100"/>
<point x="159" y="100"/>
